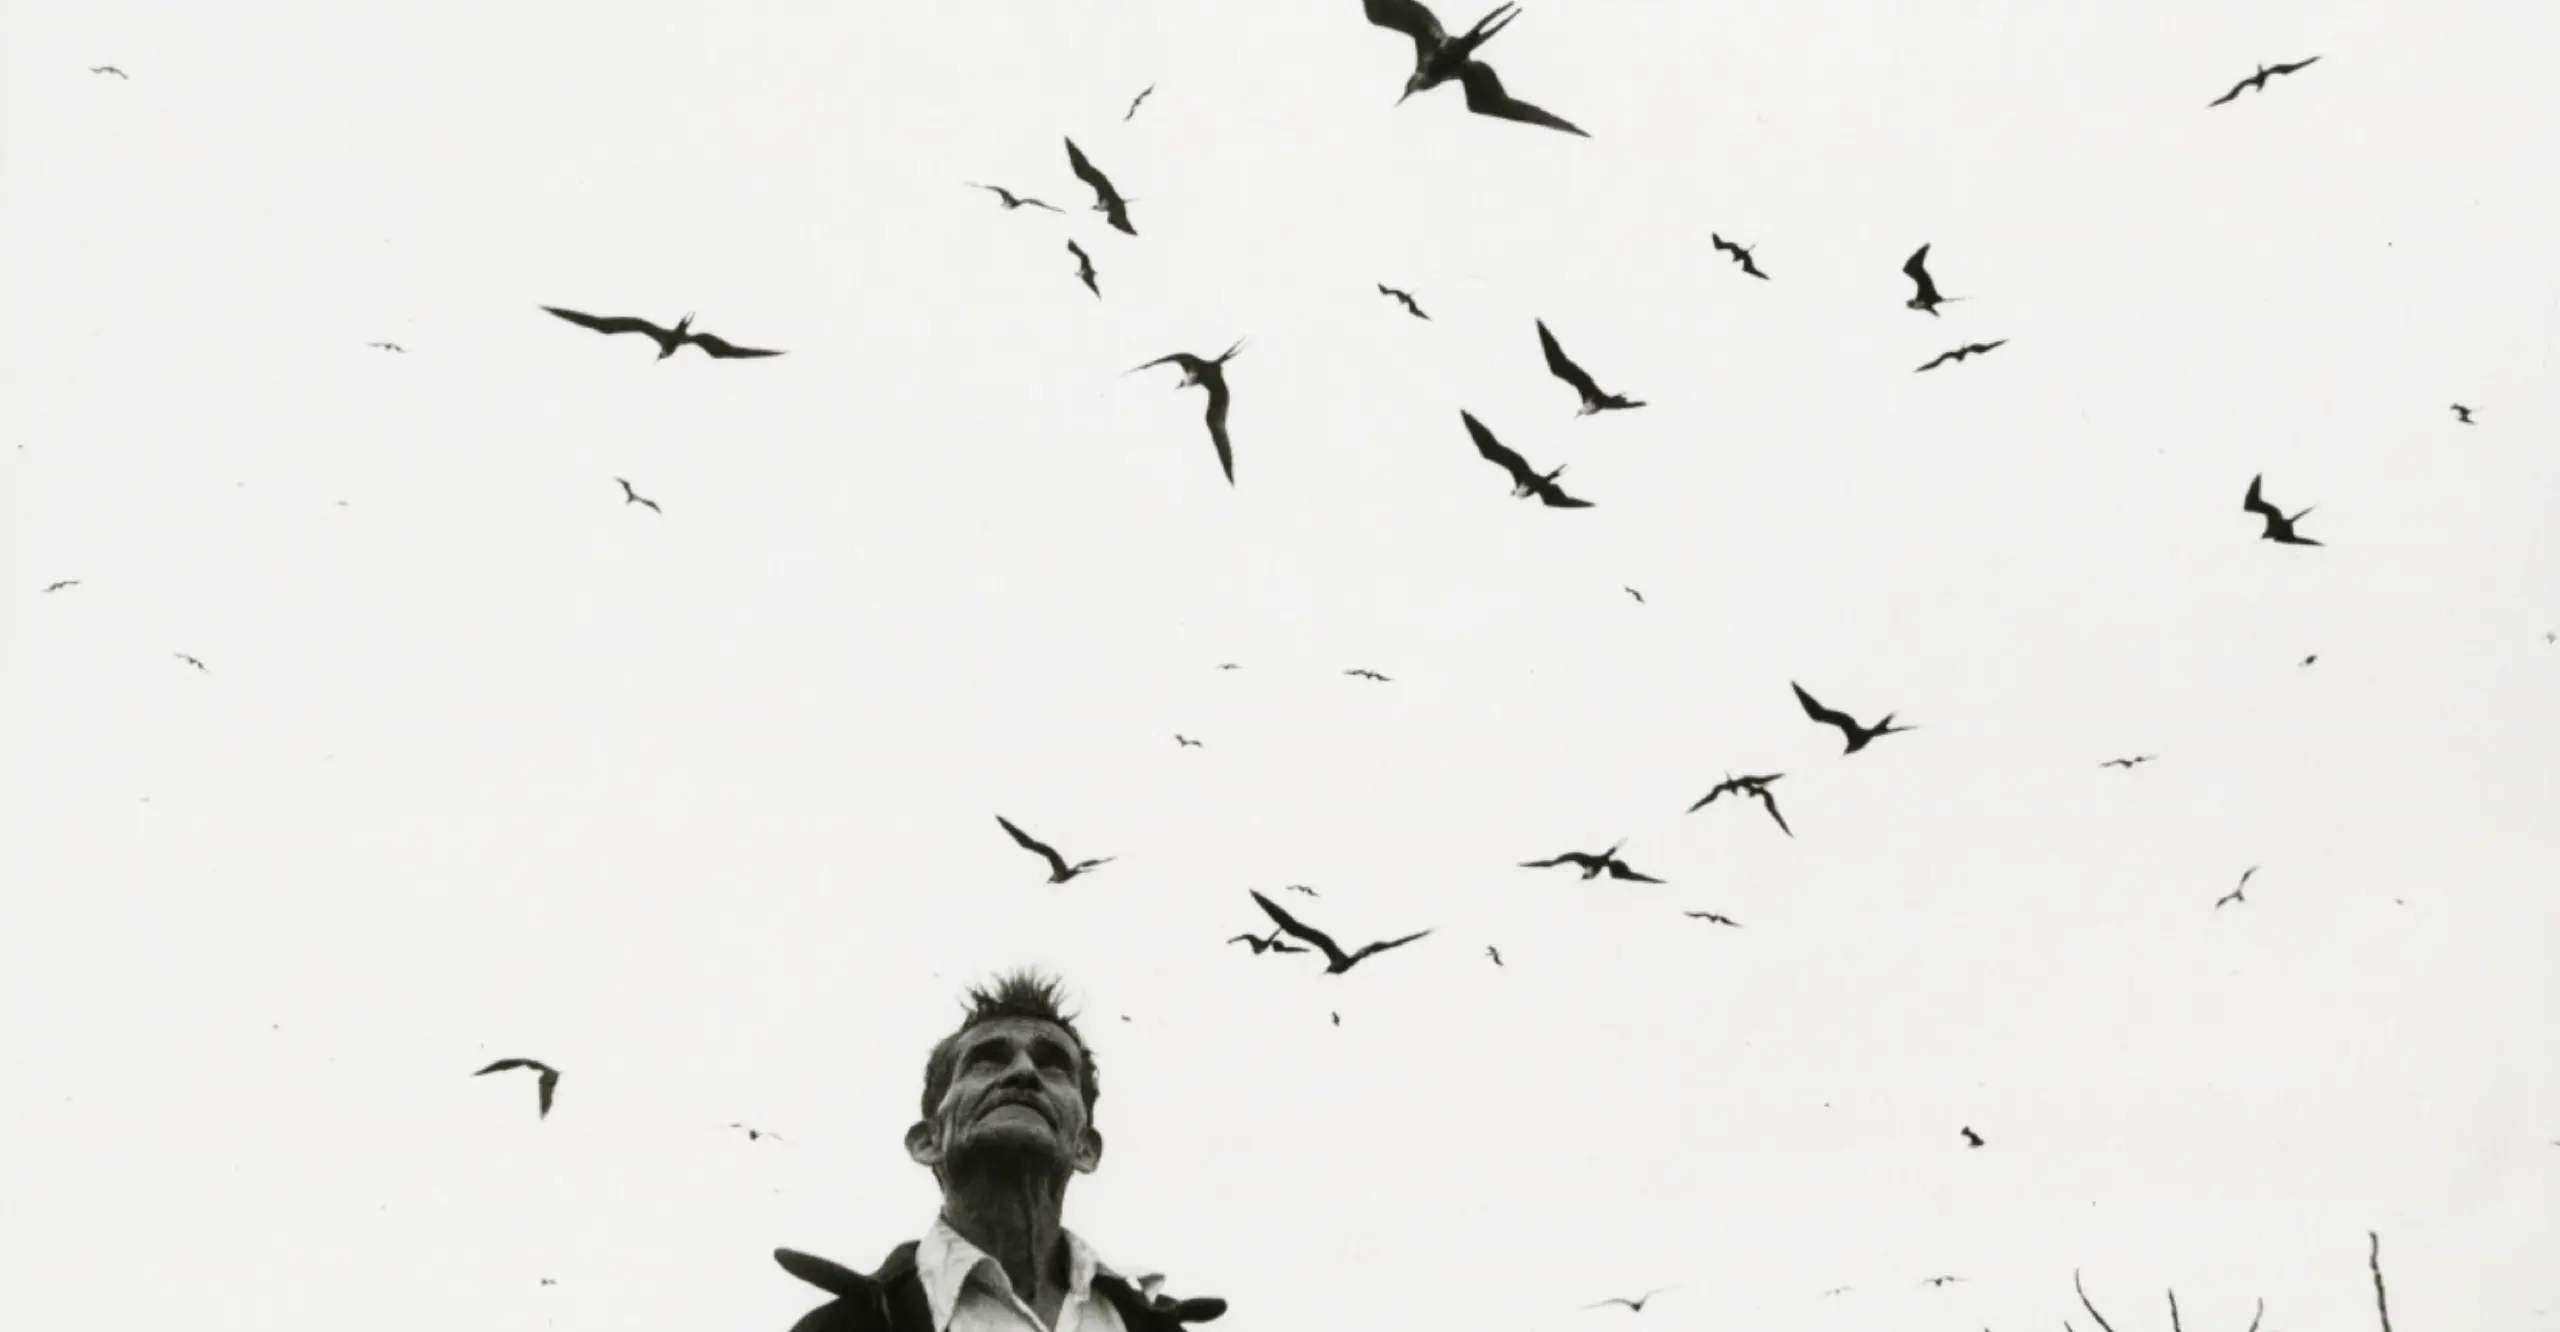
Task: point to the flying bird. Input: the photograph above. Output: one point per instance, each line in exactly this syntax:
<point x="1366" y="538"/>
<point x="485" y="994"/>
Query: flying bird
<point x="2235" y="895"/>
<point x="1859" y="736"/>
<point x="1494" y="953"/>
<point x="109" y="69"/>
<point x="2308" y="660"/>
<point x="1969" y="349"/>
<point x="190" y="661"/>
<point x="1755" y="787"/>
<point x="1562" y="367"/>
<point x="389" y="347"/>
<point x="1926" y="300"/>
<point x="1592" y="865"/>
<point x="1059" y="870"/>
<point x="2259" y="79"/>
<point x="1010" y="200"/>
<point x="1107" y="201"/>
<point x="1971" y="1138"/>
<point x="2279" y="527"/>
<point x="1230" y="665"/>
<point x="1366" y="674"/>
<point x="1439" y="57"/>
<point x="549" y="1083"/>
<point x="630" y="496"/>
<point x="67" y="582"/>
<point x="2128" y="763"/>
<point x="1300" y="888"/>
<point x="1740" y="255"/>
<point x="1084" y="267"/>
<point x="1636" y="1305"/>
<point x="1639" y="596"/>
<point x="1941" y="1280"/>
<point x="2463" y="413"/>
<point x="669" y="340"/>
<point x="1524" y="481"/>
<point x="1404" y="296"/>
<point x="1261" y="945"/>
<point x="1713" y="917"/>
<point x="1336" y="961"/>
<point x="1185" y="741"/>
<point x="1211" y="375"/>
<point x="1134" y="103"/>
<point x="755" y="1133"/>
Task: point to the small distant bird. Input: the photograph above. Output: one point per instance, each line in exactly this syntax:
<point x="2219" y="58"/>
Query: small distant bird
<point x="1941" y="1280"/>
<point x="1755" y="787"/>
<point x="2308" y="660"/>
<point x="1084" y="267"/>
<point x="2235" y="895"/>
<point x="1404" y="296"/>
<point x="67" y="582"/>
<point x="2462" y="412"/>
<point x="1337" y="1019"/>
<point x="753" y="1134"/>
<point x="1107" y="201"/>
<point x="1336" y="961"/>
<point x="1859" y="736"/>
<point x="1185" y="741"/>
<point x="1592" y="866"/>
<point x="1837" y="1290"/>
<point x="1059" y="870"/>
<point x="2259" y="79"/>
<point x="190" y="661"/>
<point x="1636" y="1305"/>
<point x="1713" y="918"/>
<point x="1927" y="300"/>
<point x="1494" y="953"/>
<point x="2279" y="527"/>
<point x="389" y="347"/>
<point x="1439" y="57"/>
<point x="669" y="340"/>
<point x="2128" y="763"/>
<point x="1274" y="944"/>
<point x="1740" y="255"/>
<point x="1010" y="200"/>
<point x="1525" y="482"/>
<point x="549" y="1282"/>
<point x="1299" y="888"/>
<point x="1971" y="1138"/>
<point x="1969" y="349"/>
<point x="109" y="69"/>
<point x="549" y="1082"/>
<point x="1367" y="674"/>
<point x="1134" y="103"/>
<point x="630" y="496"/>
<point x="1639" y="596"/>
<point x="1211" y="375"/>
<point x="1562" y="367"/>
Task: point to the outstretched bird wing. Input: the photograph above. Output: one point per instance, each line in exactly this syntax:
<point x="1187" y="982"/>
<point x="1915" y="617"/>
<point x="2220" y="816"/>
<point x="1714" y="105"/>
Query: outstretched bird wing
<point x="1942" y="359"/>
<point x="1085" y="171"/>
<point x="1562" y="366"/>
<point x="1822" y="714"/>
<point x="1410" y="18"/>
<point x="1030" y="843"/>
<point x="1770" y="802"/>
<point x="2254" y="503"/>
<point x="1495" y="453"/>
<point x="1384" y="945"/>
<point x="727" y="351"/>
<point x="1618" y="870"/>
<point x="1291" y="925"/>
<point x="2236" y="90"/>
<point x="608" y="323"/>
<point x="1553" y="497"/>
<point x="2287" y="69"/>
<point x="1485" y="97"/>
<point x="1917" y="269"/>
<point x="1218" y="427"/>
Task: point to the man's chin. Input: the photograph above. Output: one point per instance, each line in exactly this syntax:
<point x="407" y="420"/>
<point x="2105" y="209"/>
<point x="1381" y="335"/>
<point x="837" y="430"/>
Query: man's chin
<point x="1010" y="1144"/>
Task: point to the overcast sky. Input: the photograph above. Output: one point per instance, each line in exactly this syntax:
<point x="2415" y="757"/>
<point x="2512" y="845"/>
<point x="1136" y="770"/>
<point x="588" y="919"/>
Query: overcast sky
<point x="699" y="805"/>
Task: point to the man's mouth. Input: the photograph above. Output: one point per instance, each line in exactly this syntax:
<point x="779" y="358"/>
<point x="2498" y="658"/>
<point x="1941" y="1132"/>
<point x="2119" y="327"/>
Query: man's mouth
<point x="1027" y="1104"/>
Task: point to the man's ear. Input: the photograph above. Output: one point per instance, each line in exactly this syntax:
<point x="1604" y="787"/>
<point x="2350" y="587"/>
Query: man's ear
<point x="1089" y="1151"/>
<point x="922" y="1147"/>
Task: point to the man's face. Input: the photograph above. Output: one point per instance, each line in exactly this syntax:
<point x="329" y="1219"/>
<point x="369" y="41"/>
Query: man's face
<point x="1016" y="1091"/>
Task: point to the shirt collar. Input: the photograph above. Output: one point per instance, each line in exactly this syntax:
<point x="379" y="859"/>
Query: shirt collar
<point x="946" y="1262"/>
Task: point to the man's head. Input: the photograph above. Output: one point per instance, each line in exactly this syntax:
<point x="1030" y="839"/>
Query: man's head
<point x="1011" y="1089"/>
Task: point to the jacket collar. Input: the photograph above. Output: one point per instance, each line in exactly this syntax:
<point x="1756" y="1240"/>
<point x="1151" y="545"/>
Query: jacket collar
<point x="1141" y="1303"/>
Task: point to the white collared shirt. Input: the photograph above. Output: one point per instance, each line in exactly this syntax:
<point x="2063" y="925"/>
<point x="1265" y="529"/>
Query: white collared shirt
<point x="967" y="1290"/>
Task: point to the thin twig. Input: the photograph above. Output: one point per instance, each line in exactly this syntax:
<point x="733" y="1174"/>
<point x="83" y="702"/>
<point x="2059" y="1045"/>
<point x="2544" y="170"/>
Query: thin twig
<point x="2261" y="1313"/>
<point x="2381" y="1303"/>
<point x="2174" y="1325"/>
<point x="2093" y="1309"/>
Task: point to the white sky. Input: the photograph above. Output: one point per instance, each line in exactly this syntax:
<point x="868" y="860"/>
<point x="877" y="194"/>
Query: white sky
<point x="700" y="807"/>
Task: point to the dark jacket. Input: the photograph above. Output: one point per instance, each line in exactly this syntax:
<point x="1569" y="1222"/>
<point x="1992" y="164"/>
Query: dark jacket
<point x="892" y="1299"/>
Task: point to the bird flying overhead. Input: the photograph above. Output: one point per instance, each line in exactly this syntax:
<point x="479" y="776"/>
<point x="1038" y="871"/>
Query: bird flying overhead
<point x="190" y="661"/>
<point x="1636" y="1305"/>
<point x="1593" y="400"/>
<point x="1134" y="103"/>
<point x="1010" y="200"/>
<point x="2235" y="895"/>
<point x="630" y="496"/>
<point x="1639" y="596"/>
<point x="67" y="582"/>
<point x="109" y="69"/>
<point x="1859" y="736"/>
<point x="1755" y="787"/>
<point x="669" y="340"/>
<point x="1592" y="866"/>
<point x="2128" y="763"/>
<point x="755" y="1133"/>
<point x="549" y="1082"/>
<point x="389" y="347"/>
<point x="1059" y="870"/>
<point x="2462" y="413"/>
<point x="1299" y="888"/>
<point x="1713" y="918"/>
<point x="1524" y="481"/>
<point x="1926" y="299"/>
<point x="1084" y="267"/>
<point x="1336" y="961"/>
<point x="1941" y="1280"/>
<point x="1494" y="953"/>
<point x="1971" y="1138"/>
<point x="1366" y="674"/>
<point x="1185" y="741"/>
<point x="1211" y="375"/>
<point x="1230" y="665"/>
<point x="2308" y="660"/>
<point x="1106" y="200"/>
<point x="1740" y="255"/>
<point x="1439" y="57"/>
<point x="2259" y="79"/>
<point x="2279" y="527"/>
<point x="1404" y="296"/>
<point x="1261" y="945"/>
<point x="1969" y="349"/>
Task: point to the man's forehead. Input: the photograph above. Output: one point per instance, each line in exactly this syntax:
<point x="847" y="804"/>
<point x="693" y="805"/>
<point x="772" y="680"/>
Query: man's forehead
<point x="1018" y="1031"/>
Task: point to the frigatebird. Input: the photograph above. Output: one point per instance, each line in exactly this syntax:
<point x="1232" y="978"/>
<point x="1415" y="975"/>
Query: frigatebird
<point x="2462" y="413"/>
<point x="1084" y="267"/>
<point x="1211" y="375"/>
<point x="58" y="586"/>
<point x="110" y="69"/>
<point x="2235" y="894"/>
<point x="1740" y="255"/>
<point x="1639" y="596"/>
<point x="1299" y="888"/>
<point x="1713" y="918"/>
<point x="1926" y="300"/>
<point x="1562" y="367"/>
<point x="1971" y="1138"/>
<point x="1011" y="200"/>
<point x="1592" y="865"/>
<point x="1637" y="1304"/>
<point x="669" y="340"/>
<point x="754" y="1134"/>
<point x="1755" y="787"/>
<point x="1969" y="349"/>
<point x="2308" y="660"/>
<point x="1134" y="103"/>
<point x="2128" y="763"/>
<point x="630" y="496"/>
<point x="1404" y="296"/>
<point x="389" y="347"/>
<point x="190" y="661"/>
<point x="1059" y="870"/>
<point x="1494" y="953"/>
<point x="1366" y="674"/>
<point x="1107" y="201"/>
<point x="1439" y="57"/>
<point x="1941" y="1280"/>
<point x="1336" y="961"/>
<point x="2279" y="527"/>
<point x="1858" y="735"/>
<point x="1184" y="741"/>
<point x="1230" y="665"/>
<point x="543" y="1089"/>
<point x="1261" y="945"/>
<point x="2259" y="80"/>
<point x="1525" y="482"/>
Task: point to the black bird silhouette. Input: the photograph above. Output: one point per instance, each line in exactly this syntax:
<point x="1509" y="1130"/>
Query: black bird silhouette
<point x="1837" y="1290"/>
<point x="1713" y="917"/>
<point x="1059" y="870"/>
<point x="1011" y="200"/>
<point x="1926" y="300"/>
<point x="1592" y="866"/>
<point x="1971" y="1138"/>
<point x="1755" y="787"/>
<point x="1300" y="888"/>
<point x="1260" y="945"/>
<point x="2463" y="413"/>
<point x="1637" y="1304"/>
<point x="1941" y="1280"/>
<point x="1969" y="349"/>
<point x="1404" y="296"/>
<point x="1230" y="665"/>
<point x="1494" y="953"/>
<point x="754" y="1134"/>
<point x="1593" y="400"/>
<point x="1366" y="674"/>
<point x="1740" y="255"/>
<point x="1858" y="735"/>
<point x="109" y="69"/>
<point x="1185" y="741"/>
<point x="1107" y="201"/>
<point x="1084" y="267"/>
<point x="389" y="347"/>
<point x="1211" y="375"/>
<point x="1134" y="103"/>
<point x="1524" y="481"/>
<point x="2259" y="79"/>
<point x="2235" y="895"/>
<point x="2308" y="660"/>
<point x="67" y="582"/>
<point x="2279" y="527"/>
<point x="1639" y="596"/>
<point x="2128" y="763"/>
<point x="549" y="1082"/>
<point x="630" y="496"/>
<point x="1439" y="57"/>
<point x="190" y="661"/>
<point x="669" y="340"/>
<point x="1336" y="961"/>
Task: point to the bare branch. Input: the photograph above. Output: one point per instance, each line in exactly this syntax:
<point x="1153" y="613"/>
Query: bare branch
<point x="2093" y="1309"/>
<point x="2174" y="1325"/>
<point x="2381" y="1303"/>
<point x="2261" y="1313"/>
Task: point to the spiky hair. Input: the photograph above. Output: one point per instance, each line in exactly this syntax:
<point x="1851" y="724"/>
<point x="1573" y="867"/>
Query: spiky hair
<point x="1017" y="994"/>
